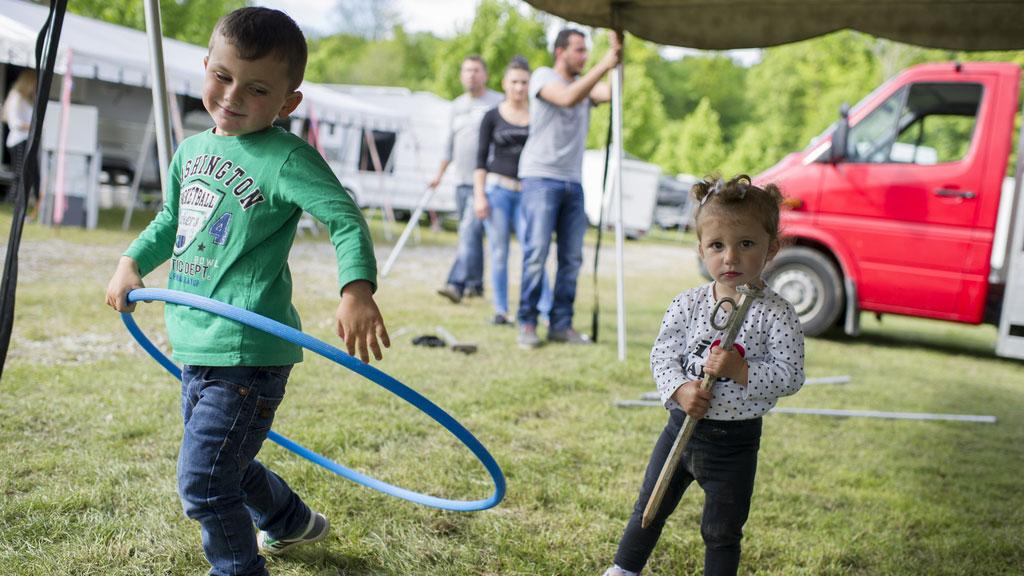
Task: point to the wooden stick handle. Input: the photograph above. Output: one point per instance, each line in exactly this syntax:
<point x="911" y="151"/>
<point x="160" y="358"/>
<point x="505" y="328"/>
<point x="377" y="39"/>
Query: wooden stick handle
<point x="675" y="455"/>
<point x="668" y="469"/>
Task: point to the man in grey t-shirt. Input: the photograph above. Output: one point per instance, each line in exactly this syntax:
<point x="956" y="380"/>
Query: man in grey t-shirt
<point x="466" y="276"/>
<point x="550" y="169"/>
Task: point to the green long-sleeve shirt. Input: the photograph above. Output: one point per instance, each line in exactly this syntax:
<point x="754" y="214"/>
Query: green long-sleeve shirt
<point x="233" y="204"/>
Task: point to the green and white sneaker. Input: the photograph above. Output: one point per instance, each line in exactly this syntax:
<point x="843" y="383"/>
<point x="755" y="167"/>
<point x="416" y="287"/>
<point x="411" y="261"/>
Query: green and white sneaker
<point x="316" y="530"/>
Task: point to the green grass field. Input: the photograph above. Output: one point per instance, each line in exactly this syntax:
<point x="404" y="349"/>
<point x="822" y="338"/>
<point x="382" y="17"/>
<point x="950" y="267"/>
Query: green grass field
<point x="89" y="431"/>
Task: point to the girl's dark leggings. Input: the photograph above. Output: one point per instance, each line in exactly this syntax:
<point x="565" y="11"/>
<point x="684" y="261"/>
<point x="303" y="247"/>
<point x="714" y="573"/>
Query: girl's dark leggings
<point x="722" y="457"/>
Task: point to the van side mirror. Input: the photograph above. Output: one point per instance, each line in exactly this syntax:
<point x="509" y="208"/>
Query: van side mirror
<point x="839" y="135"/>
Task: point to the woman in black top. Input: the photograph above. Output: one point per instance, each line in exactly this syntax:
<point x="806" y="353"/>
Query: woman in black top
<point x="503" y="132"/>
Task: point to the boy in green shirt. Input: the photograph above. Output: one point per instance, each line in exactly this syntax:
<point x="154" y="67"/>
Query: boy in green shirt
<point x="234" y="197"/>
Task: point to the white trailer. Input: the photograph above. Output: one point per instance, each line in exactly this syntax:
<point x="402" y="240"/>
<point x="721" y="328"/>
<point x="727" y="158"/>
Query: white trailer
<point x="639" y="193"/>
<point x="408" y="157"/>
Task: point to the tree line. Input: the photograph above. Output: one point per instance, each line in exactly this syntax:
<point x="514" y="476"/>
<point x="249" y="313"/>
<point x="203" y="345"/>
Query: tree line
<point x="698" y="114"/>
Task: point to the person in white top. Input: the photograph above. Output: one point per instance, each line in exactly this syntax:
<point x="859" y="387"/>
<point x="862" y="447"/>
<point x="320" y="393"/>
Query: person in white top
<point x="466" y="277"/>
<point x="17" y="114"/>
<point x="738" y="233"/>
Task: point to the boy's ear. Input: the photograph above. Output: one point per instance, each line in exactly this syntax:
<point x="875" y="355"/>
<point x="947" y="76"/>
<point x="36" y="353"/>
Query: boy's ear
<point x="773" y="248"/>
<point x="291" y="102"/>
<point x="206" y="61"/>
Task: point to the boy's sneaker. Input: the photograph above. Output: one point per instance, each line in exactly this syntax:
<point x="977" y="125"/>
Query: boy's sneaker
<point x="452" y="293"/>
<point x="316" y="530"/>
<point x="568" y="336"/>
<point x="616" y="571"/>
<point x="528" y="336"/>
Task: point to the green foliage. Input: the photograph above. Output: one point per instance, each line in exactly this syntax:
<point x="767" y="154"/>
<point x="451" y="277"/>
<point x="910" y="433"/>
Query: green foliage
<point x="693" y="145"/>
<point x="186" y="20"/>
<point x="645" y="111"/>
<point x="401" y="60"/>
<point x="761" y="113"/>
<point x="683" y="83"/>
<point x="498" y="33"/>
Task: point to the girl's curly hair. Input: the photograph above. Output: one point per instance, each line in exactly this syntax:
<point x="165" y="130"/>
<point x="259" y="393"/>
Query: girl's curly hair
<point x="738" y="196"/>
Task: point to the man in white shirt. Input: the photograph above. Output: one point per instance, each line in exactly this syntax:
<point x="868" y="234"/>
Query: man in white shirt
<point x="466" y="277"/>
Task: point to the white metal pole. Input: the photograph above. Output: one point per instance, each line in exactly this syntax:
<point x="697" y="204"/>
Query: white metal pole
<point x="620" y="305"/>
<point x="156" y="65"/>
<point x="428" y="193"/>
<point x="140" y="163"/>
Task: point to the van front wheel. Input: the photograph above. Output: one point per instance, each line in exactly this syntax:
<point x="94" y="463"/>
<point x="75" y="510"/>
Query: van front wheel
<point x="811" y="283"/>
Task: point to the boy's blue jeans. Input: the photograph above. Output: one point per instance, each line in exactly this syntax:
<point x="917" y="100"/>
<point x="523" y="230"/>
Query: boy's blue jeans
<point x="722" y="457"/>
<point x="228" y="412"/>
<point x="467" y="272"/>
<point x="551" y="207"/>
<point x="505" y="218"/>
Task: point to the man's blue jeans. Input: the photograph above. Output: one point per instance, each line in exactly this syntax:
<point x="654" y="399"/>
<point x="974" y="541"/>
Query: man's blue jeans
<point x="551" y="207"/>
<point x="505" y="218"/>
<point x="228" y="412"/>
<point x="467" y="273"/>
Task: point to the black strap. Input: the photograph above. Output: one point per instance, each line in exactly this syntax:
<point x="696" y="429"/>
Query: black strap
<point x="595" y="317"/>
<point x="46" y="56"/>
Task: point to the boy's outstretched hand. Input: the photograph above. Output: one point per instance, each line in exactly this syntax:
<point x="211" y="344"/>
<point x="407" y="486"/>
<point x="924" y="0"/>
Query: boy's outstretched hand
<point x="125" y="279"/>
<point x="358" y="321"/>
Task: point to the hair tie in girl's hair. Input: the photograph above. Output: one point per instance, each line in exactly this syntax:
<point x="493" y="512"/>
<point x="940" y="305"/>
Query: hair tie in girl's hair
<point x="713" y="190"/>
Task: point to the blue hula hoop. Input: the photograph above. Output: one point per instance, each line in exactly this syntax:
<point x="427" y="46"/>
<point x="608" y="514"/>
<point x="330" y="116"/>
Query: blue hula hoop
<point x="331" y="353"/>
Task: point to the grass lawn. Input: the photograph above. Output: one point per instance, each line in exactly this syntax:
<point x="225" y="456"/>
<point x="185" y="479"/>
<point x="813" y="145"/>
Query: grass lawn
<point x="89" y="431"/>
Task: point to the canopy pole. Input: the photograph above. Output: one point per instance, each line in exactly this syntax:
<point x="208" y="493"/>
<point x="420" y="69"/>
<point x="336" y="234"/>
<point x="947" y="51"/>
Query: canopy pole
<point x="620" y="290"/>
<point x="140" y="164"/>
<point x="60" y="201"/>
<point x="156" y="64"/>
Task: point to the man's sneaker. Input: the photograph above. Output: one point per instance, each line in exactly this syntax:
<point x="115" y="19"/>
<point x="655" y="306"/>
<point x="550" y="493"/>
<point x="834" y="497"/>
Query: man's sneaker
<point x="528" y="336"/>
<point x="477" y="292"/>
<point x="317" y="528"/>
<point x="452" y="293"/>
<point x="568" y="336"/>
<point x="501" y="320"/>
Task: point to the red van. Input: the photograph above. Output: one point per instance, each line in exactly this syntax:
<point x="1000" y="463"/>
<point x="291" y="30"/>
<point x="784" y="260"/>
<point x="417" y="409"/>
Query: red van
<point x="904" y="206"/>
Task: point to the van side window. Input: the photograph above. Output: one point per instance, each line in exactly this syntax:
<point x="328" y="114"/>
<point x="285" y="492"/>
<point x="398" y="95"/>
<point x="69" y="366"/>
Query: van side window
<point x="935" y="125"/>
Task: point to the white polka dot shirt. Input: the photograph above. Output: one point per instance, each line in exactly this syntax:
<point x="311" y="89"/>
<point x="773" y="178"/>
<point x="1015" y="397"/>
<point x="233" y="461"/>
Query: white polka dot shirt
<point x="771" y="338"/>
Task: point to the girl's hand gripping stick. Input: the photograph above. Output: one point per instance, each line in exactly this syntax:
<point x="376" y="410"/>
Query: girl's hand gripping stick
<point x="731" y="327"/>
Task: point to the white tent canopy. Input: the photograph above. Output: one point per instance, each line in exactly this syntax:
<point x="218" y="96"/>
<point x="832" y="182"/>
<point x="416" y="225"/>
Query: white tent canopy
<point x="729" y="24"/>
<point x="120" y="55"/>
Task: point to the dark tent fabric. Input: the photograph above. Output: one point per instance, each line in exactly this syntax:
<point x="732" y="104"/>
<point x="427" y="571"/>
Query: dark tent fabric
<point x="728" y="24"/>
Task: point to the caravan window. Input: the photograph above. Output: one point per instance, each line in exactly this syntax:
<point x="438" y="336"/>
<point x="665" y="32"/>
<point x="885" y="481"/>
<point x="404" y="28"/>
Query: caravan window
<point x="379" y="143"/>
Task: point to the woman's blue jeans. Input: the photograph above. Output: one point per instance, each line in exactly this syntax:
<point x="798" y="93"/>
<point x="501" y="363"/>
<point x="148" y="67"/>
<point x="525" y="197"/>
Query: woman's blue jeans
<point x="506" y="217"/>
<point x="228" y="412"/>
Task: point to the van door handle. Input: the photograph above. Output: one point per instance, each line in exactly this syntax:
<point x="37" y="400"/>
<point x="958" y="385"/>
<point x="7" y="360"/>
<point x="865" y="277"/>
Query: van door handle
<point x="947" y="193"/>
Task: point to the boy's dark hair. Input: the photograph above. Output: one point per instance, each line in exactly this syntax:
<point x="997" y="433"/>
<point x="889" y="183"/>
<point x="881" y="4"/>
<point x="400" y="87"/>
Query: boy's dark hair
<point x="562" y="40"/>
<point x="478" y="59"/>
<point x="738" y="196"/>
<point x="518" y="62"/>
<point x="256" y="32"/>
